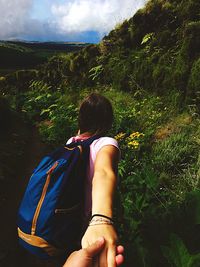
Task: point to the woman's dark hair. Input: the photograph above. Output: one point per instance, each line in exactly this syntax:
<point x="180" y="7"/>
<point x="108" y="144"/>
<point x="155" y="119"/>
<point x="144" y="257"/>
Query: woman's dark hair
<point x="95" y="114"/>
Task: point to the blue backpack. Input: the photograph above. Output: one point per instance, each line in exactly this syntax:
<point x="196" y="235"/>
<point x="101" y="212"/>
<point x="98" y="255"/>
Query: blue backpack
<point x="50" y="218"/>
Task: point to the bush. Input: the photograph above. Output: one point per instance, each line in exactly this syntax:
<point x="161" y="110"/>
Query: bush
<point x="36" y="102"/>
<point x="60" y="124"/>
<point x="194" y="81"/>
<point x="178" y="254"/>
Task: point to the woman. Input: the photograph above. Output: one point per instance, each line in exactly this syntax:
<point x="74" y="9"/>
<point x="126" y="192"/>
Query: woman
<point x="96" y="118"/>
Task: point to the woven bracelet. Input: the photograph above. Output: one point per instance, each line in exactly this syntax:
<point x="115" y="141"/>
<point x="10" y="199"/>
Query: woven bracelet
<point x="101" y="215"/>
<point x="100" y="223"/>
<point x="104" y="220"/>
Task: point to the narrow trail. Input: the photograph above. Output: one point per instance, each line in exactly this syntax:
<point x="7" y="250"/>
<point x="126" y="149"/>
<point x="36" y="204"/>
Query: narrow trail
<point x="11" y="254"/>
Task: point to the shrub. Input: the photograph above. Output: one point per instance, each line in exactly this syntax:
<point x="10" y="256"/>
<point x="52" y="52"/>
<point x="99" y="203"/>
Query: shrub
<point x="194" y="81"/>
<point x="60" y="125"/>
<point x="35" y="101"/>
<point x="178" y="254"/>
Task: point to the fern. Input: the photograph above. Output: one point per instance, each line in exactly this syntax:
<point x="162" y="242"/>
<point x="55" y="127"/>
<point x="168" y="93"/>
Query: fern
<point x="95" y="72"/>
<point x="178" y="255"/>
<point x="147" y="38"/>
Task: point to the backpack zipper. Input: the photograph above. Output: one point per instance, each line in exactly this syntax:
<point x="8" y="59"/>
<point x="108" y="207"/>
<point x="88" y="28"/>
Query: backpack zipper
<point x="67" y="210"/>
<point x="40" y="202"/>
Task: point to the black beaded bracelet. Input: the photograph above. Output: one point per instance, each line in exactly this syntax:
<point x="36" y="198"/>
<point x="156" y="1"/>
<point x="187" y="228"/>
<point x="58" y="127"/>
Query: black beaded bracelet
<point x="101" y="215"/>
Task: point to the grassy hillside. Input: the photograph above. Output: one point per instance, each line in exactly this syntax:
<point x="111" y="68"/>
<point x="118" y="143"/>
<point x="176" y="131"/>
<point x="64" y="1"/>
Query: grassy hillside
<point x="157" y="49"/>
<point x="149" y="68"/>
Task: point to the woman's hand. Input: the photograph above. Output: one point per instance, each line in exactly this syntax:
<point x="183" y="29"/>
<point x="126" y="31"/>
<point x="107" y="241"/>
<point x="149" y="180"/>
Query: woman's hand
<point x="85" y="257"/>
<point x="107" y="257"/>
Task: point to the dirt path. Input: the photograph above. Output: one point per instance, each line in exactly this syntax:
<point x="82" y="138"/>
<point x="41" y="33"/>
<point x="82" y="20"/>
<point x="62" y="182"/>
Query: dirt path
<point x="11" y="254"/>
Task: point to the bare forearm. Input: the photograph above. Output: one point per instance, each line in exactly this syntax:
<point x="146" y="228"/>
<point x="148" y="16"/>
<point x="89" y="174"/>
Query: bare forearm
<point x="103" y="189"/>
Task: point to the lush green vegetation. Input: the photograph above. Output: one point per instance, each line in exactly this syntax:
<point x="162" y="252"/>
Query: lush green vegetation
<point x="149" y="68"/>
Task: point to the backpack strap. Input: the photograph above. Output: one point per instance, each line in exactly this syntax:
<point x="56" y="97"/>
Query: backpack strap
<point x="84" y="143"/>
<point x="89" y="141"/>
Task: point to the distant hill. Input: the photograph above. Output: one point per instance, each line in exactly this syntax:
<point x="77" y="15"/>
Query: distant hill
<point x="16" y="55"/>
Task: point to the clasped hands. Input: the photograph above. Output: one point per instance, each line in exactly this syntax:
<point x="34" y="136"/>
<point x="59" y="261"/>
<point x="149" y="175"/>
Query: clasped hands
<point x="86" y="257"/>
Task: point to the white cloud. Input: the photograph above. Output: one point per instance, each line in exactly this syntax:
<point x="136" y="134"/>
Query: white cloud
<point x="13" y="17"/>
<point x="93" y="15"/>
<point x="17" y="21"/>
<point x="64" y="20"/>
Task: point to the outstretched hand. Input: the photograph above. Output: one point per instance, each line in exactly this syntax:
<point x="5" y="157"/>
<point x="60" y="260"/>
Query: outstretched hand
<point x="85" y="257"/>
<point x="106" y="257"/>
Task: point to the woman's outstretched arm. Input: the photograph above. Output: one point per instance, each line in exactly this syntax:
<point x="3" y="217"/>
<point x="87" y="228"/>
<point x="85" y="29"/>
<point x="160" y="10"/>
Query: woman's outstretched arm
<point x="103" y="188"/>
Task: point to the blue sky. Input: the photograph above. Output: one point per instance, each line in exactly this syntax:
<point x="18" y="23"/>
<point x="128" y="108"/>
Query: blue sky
<point x="41" y="10"/>
<point x="63" y="20"/>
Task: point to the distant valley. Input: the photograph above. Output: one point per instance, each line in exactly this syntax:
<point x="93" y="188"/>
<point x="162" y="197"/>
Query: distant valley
<point x="16" y="55"/>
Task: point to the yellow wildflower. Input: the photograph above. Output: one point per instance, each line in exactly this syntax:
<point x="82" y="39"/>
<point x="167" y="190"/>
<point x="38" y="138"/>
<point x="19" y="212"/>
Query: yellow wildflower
<point x="120" y="136"/>
<point x="135" y="135"/>
<point x="133" y="144"/>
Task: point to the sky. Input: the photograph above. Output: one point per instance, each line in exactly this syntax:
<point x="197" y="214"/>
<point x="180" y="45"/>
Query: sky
<point x="63" y="20"/>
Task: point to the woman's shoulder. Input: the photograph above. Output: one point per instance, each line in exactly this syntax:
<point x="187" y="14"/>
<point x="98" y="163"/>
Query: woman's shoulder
<point x="103" y="141"/>
<point x="99" y="142"/>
